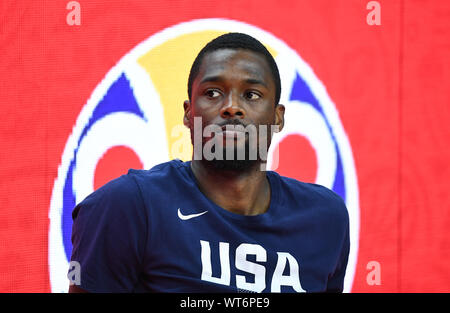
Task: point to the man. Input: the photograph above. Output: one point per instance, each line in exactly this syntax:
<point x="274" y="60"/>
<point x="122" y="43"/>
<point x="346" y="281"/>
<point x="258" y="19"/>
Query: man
<point x="218" y="223"/>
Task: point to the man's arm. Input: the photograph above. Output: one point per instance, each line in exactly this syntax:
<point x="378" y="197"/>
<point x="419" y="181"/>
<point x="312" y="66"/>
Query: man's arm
<point x="336" y="281"/>
<point x="109" y="234"/>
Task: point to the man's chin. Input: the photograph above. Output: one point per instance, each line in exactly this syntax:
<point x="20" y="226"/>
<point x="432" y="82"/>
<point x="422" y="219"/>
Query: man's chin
<point x="238" y="158"/>
<point x="232" y="165"/>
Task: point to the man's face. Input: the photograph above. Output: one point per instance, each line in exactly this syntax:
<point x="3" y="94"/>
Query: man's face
<point x="233" y="87"/>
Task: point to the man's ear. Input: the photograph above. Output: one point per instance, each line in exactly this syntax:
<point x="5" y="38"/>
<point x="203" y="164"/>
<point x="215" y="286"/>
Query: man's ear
<point x="187" y="113"/>
<point x="279" y="116"/>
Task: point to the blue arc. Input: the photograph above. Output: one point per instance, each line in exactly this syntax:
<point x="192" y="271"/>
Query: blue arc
<point x="118" y="98"/>
<point x="301" y="92"/>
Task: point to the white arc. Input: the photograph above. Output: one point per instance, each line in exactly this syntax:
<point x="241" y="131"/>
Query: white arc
<point x="189" y="216"/>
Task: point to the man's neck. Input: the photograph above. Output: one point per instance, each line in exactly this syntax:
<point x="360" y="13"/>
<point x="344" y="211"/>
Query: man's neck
<point x="245" y="192"/>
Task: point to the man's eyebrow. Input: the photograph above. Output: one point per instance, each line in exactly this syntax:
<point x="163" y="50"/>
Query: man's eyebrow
<point x="211" y="79"/>
<point x="251" y="81"/>
<point x="254" y="81"/>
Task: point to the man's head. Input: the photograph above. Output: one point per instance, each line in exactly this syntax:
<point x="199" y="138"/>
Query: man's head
<point x="236" y="41"/>
<point x="234" y="81"/>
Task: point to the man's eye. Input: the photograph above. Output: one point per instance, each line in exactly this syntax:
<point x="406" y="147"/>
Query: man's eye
<point x="252" y="95"/>
<point x="211" y="93"/>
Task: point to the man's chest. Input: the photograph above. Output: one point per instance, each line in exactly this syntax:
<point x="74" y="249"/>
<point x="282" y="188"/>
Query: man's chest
<point x="200" y="251"/>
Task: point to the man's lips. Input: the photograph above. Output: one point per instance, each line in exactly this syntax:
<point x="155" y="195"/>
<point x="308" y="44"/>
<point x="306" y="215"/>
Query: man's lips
<point x="233" y="130"/>
<point x="226" y="130"/>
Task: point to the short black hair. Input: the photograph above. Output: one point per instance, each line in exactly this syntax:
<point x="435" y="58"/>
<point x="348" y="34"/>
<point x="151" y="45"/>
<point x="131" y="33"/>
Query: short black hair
<point x="236" y="41"/>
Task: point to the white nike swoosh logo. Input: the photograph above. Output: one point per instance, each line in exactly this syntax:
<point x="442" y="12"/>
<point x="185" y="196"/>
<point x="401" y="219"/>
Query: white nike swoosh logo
<point x="188" y="216"/>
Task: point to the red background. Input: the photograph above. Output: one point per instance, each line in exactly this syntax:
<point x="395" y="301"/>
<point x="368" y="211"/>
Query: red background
<point x="389" y="83"/>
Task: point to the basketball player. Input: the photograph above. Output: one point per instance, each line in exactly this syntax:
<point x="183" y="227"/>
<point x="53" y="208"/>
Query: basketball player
<point x="218" y="223"/>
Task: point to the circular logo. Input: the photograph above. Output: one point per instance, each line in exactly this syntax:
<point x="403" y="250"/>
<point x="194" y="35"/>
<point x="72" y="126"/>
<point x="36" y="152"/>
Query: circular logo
<point x="139" y="105"/>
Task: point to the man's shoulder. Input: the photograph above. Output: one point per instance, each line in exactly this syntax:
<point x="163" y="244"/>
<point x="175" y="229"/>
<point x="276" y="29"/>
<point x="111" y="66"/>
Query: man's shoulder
<point x="162" y="170"/>
<point x="117" y="195"/>
<point x="161" y="178"/>
<point x="315" y="194"/>
<point x="129" y="186"/>
<point x="312" y="189"/>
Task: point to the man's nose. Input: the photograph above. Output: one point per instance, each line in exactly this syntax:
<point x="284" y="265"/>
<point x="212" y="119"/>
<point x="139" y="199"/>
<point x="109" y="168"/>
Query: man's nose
<point x="232" y="108"/>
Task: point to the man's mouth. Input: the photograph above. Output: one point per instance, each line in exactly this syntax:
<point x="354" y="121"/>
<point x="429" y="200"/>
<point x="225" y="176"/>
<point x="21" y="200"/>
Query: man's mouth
<point x="233" y="131"/>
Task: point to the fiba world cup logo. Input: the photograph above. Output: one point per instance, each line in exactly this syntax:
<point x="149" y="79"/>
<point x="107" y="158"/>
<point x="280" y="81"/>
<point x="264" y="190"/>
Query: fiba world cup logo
<point x="138" y="106"/>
